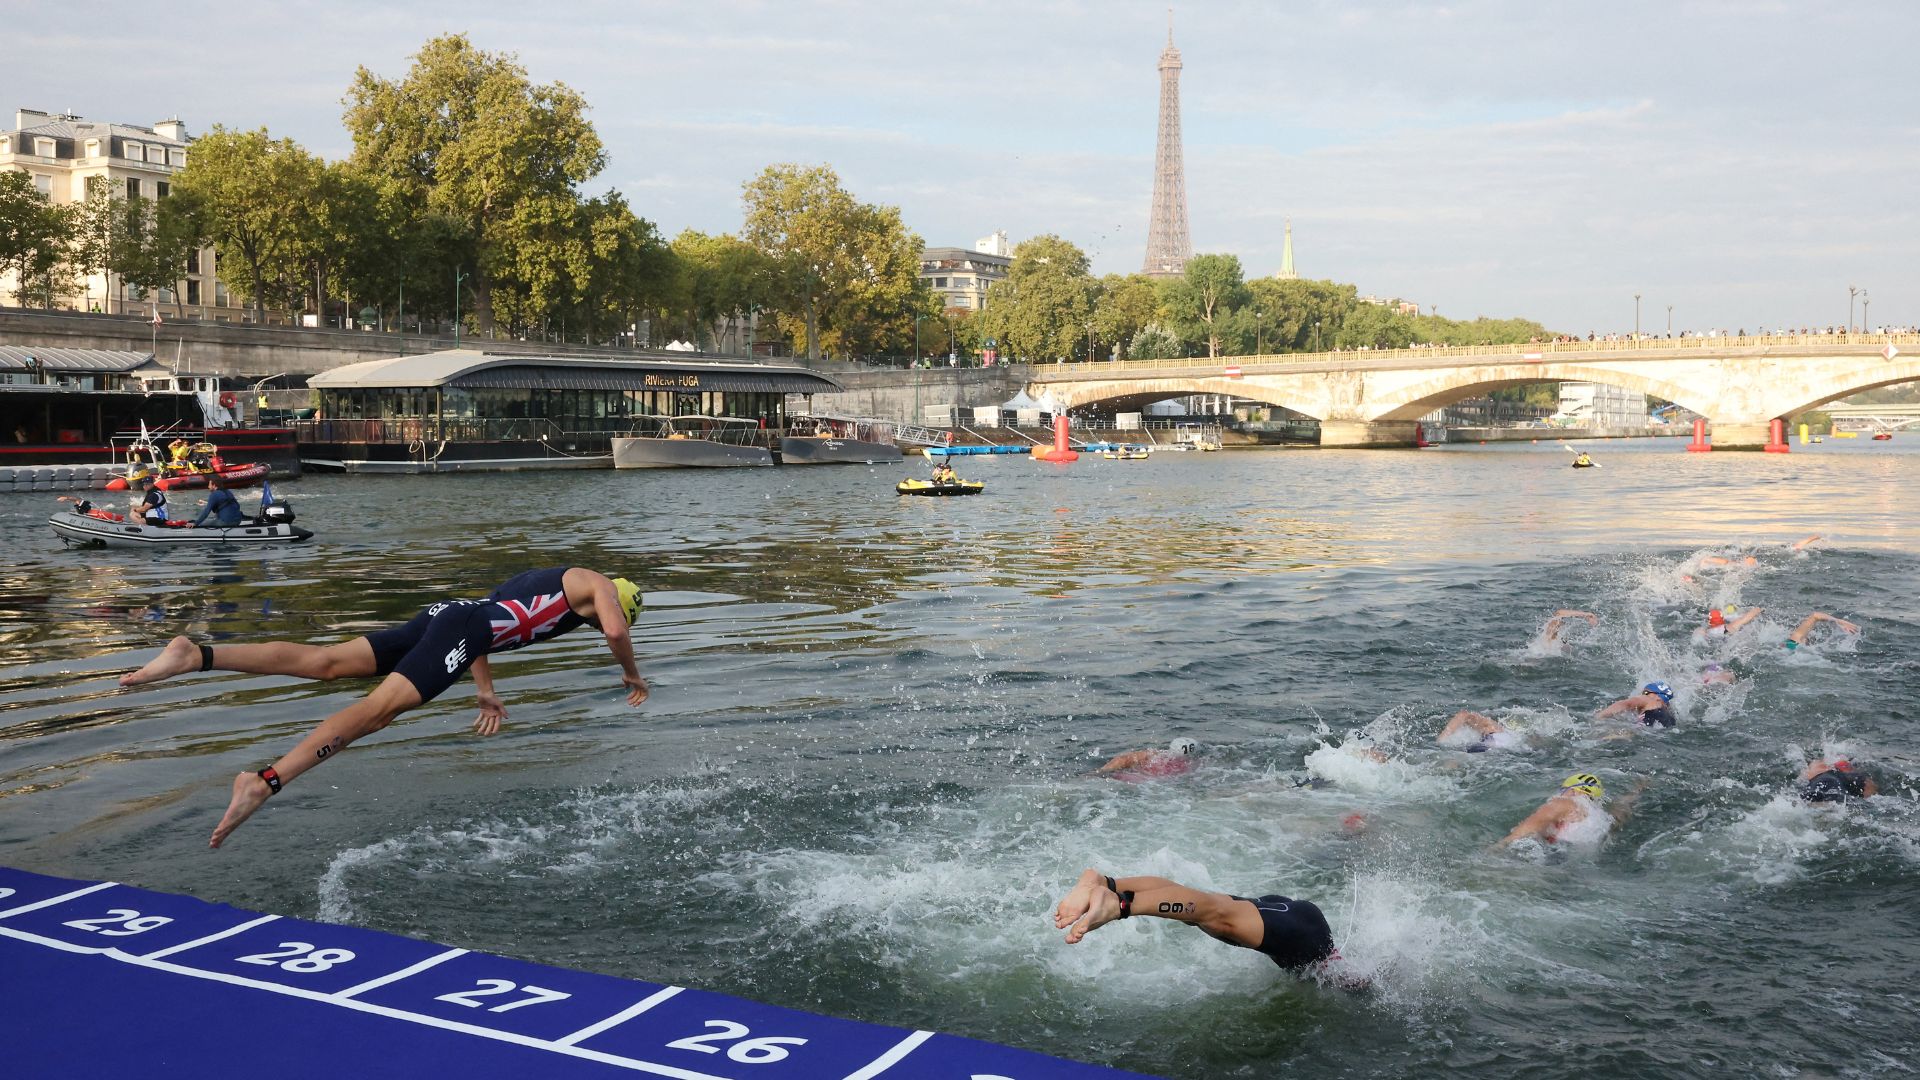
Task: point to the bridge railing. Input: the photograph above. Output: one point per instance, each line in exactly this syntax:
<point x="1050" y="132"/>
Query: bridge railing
<point x="1629" y="348"/>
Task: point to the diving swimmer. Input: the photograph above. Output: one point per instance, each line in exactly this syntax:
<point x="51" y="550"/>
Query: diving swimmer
<point x="1575" y="815"/>
<point x="1292" y="933"/>
<point x="420" y="660"/>
<point x="1652" y="706"/>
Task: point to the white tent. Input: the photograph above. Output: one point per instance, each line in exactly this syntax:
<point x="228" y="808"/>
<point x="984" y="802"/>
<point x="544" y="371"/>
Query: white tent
<point x="1020" y="401"/>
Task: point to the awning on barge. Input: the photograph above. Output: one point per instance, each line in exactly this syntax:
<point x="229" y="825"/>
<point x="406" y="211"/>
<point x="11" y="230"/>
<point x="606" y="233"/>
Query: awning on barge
<point x="472" y="369"/>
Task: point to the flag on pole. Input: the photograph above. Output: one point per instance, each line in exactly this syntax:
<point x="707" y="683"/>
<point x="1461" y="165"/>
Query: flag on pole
<point x="266" y="494"/>
<point x="156" y="314"/>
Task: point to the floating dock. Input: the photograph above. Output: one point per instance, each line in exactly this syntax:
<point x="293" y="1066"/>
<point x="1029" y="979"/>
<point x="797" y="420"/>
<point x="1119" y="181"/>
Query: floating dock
<point x="58" y="477"/>
<point x="963" y="451"/>
<point x="102" y="979"/>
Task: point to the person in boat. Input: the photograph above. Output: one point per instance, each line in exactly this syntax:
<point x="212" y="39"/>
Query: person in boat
<point x="1582" y="461"/>
<point x="221" y="506"/>
<point x="1576" y="815"/>
<point x="943" y="474"/>
<point x="417" y="660"/>
<point x="1799" y="635"/>
<point x="152" y="507"/>
<point x="1652" y="706"/>
<point x="178" y="451"/>
<point x="1177" y="758"/>
<point x="1836" y="781"/>
<point x="1290" y="932"/>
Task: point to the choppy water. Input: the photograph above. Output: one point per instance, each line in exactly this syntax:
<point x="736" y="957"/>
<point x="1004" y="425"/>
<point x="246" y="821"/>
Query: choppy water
<point x="860" y="784"/>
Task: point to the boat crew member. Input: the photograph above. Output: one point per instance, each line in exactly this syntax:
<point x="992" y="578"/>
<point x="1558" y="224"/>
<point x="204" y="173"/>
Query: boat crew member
<point x="221" y="504"/>
<point x="152" y="507"/>
<point x="1292" y="933"/>
<point x="1582" y="461"/>
<point x="178" y="450"/>
<point x="419" y="660"/>
<point x="943" y="474"/>
<point x="1652" y="706"/>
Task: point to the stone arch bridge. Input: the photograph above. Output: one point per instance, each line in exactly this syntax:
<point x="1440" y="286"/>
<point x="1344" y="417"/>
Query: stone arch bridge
<point x="1372" y="398"/>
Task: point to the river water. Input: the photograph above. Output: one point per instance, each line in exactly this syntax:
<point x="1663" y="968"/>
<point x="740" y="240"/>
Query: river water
<point x="861" y="782"/>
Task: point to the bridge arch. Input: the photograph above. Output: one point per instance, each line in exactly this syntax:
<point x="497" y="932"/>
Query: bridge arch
<point x="1847" y="381"/>
<point x="1129" y="396"/>
<point x="1422" y="397"/>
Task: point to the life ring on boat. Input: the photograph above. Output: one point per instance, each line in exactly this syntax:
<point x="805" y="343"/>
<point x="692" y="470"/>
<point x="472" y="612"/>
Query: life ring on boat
<point x="227" y="400"/>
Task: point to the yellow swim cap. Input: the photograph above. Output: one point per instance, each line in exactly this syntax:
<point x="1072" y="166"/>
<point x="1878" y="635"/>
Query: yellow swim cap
<point x="1585" y="784"/>
<point x="629" y="597"/>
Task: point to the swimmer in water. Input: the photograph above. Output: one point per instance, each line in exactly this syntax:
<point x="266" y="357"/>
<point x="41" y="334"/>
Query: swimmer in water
<point x="1491" y="733"/>
<point x="1292" y="933"/>
<point x="1652" y="706"/>
<point x="1721" y="560"/>
<point x="1802" y="545"/>
<point x="1176" y="758"/>
<point x="415" y="662"/>
<point x="1576" y="815"/>
<point x="1799" y="635"/>
<point x="1724" y="621"/>
<point x="1714" y="674"/>
<point x="1551" y="632"/>
<point x="1836" y="781"/>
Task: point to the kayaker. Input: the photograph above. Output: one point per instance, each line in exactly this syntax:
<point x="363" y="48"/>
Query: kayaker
<point x="221" y="504"/>
<point x="943" y="474"/>
<point x="419" y="660"/>
<point x="1582" y="461"/>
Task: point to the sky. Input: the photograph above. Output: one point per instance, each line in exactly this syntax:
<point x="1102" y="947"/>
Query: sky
<point x="1743" y="162"/>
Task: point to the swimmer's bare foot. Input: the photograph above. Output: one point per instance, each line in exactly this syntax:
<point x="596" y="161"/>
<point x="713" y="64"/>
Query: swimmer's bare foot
<point x="1078" y="899"/>
<point x="179" y="657"/>
<point x="249" y="791"/>
<point x="1105" y="909"/>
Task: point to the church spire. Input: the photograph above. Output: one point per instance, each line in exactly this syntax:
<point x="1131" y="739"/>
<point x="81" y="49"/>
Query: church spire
<point x="1286" y="256"/>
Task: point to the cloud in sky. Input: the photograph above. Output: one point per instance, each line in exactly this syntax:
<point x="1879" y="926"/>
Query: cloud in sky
<point x="1742" y="161"/>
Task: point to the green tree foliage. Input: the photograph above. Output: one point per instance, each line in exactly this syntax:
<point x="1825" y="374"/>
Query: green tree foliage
<point x="468" y="137"/>
<point x="1290" y="308"/>
<point x="154" y="242"/>
<point x="844" y="275"/>
<point x="1123" y="306"/>
<point x="250" y="188"/>
<point x="1212" y="287"/>
<point x="34" y="238"/>
<point x="720" y="278"/>
<point x="1042" y="310"/>
<point x="1156" y="342"/>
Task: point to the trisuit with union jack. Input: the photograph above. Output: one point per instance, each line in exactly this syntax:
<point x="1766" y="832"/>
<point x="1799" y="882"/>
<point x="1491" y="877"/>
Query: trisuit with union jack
<point x="420" y="659"/>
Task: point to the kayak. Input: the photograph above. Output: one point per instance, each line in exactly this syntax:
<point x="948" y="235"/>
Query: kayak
<point x="1588" y="465"/>
<point x="928" y="487"/>
<point x="230" y="475"/>
<point x="98" y="528"/>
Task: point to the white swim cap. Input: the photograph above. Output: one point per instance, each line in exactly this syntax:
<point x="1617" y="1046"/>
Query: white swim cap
<point x="1184" y="746"/>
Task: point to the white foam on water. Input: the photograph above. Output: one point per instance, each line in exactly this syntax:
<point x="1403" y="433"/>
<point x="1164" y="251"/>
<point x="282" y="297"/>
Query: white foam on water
<point x="1348" y="768"/>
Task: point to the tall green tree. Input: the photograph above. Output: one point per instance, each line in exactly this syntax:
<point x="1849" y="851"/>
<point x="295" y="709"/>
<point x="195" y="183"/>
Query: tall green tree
<point x="33" y="236"/>
<point x="154" y="242"/>
<point x="722" y="278"/>
<point x="251" y="189"/>
<point x="630" y="268"/>
<point x="1044" y="308"/>
<point x="844" y="274"/>
<point x="1123" y="306"/>
<point x="1291" y="309"/>
<point x="471" y="138"/>
<point x="1211" y="287"/>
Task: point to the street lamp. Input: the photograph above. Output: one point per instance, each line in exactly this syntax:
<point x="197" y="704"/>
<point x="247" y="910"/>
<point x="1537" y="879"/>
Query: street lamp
<point x="1866" y="324"/>
<point x="1669" y="320"/>
<point x="916" y="339"/>
<point x="459" y="275"/>
<point x="1636" y="316"/>
<point x="1316" y="335"/>
<point x="1851" y="293"/>
<point x="1259" y="326"/>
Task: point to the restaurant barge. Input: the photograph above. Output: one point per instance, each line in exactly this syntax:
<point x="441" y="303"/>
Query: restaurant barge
<point x="469" y="410"/>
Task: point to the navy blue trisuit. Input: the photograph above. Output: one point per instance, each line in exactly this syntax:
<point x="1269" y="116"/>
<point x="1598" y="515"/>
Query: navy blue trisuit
<point x="1296" y="932"/>
<point x="434" y="648"/>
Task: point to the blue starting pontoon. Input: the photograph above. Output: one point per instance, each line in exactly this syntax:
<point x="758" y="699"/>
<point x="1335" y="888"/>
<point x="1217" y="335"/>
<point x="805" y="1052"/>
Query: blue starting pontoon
<point x="944" y="451"/>
<point x="101" y="979"/>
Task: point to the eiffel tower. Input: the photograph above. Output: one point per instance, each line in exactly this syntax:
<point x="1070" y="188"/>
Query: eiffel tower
<point x="1168" y="247"/>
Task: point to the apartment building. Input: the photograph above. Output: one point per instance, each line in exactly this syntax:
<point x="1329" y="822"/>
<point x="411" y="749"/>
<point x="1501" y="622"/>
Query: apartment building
<point x="961" y="276"/>
<point x="62" y="152"/>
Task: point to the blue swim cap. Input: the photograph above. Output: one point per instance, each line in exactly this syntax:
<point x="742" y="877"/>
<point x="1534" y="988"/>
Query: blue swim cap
<point x="1660" y="690"/>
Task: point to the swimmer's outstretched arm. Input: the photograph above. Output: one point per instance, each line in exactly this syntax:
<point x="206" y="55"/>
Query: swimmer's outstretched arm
<point x="1746" y="617"/>
<point x="492" y="710"/>
<point x="1802" y="545"/>
<point x="1807" y="624"/>
<point x="1560" y="617"/>
<point x="1621" y="808"/>
<point x="1541" y="821"/>
<point x="1091" y="905"/>
<point x="613" y="624"/>
<point x="1640" y="702"/>
<point x="1465" y="718"/>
